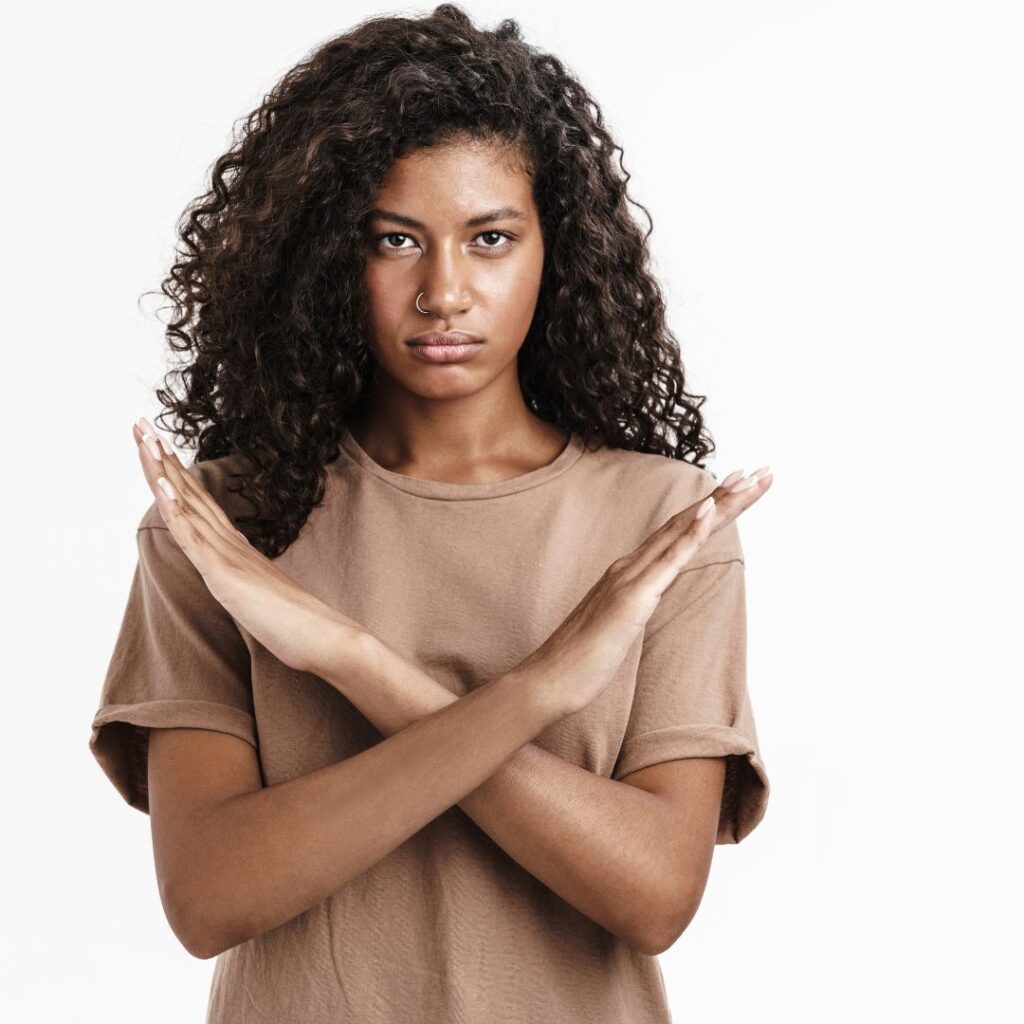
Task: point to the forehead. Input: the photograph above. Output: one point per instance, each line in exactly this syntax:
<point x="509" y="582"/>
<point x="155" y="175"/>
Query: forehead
<point x="456" y="181"/>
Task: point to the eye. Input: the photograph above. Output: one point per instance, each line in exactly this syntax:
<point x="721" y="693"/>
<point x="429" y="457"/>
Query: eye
<point x="379" y="241"/>
<point x="390" y="234"/>
<point x="500" y="234"/>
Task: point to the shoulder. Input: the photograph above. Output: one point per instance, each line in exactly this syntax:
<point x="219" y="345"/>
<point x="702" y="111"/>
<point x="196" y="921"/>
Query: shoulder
<point x="217" y="476"/>
<point x="650" y="488"/>
<point x="654" y="473"/>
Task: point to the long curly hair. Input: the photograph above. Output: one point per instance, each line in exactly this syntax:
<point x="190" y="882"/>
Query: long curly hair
<point x="269" y="309"/>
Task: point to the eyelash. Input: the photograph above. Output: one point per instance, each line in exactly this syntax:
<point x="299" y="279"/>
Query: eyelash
<point x="401" y="234"/>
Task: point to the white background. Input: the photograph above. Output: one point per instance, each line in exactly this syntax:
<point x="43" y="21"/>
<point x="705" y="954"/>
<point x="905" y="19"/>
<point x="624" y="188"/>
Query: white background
<point x="838" y="198"/>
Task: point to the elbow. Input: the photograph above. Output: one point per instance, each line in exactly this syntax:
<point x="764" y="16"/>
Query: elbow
<point x="199" y="949"/>
<point x="196" y="939"/>
<point x="652" y="940"/>
<point x="658" y="940"/>
<point x="660" y="929"/>
<point x="184" y="911"/>
<point x="203" y="941"/>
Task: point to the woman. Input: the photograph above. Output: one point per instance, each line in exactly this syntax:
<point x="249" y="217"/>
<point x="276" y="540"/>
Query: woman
<point x="431" y="676"/>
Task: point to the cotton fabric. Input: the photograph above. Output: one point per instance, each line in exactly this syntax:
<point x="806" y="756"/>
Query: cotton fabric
<point x="466" y="580"/>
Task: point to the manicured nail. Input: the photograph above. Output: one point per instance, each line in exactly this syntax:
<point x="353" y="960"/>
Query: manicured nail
<point x="742" y="485"/>
<point x="149" y="433"/>
<point x="151" y="446"/>
<point x="165" y="486"/>
<point x="731" y="478"/>
<point x="706" y="504"/>
<point x="762" y="473"/>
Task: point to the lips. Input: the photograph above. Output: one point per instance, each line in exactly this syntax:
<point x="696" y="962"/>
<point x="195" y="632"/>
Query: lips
<point x="440" y="352"/>
<point x="447" y="339"/>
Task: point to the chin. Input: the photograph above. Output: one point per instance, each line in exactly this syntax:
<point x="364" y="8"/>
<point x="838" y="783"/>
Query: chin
<point x="440" y="382"/>
<point x="441" y="391"/>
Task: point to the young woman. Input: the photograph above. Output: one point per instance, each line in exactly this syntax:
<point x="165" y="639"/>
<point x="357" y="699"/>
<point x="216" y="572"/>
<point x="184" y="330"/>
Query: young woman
<point x="432" y="673"/>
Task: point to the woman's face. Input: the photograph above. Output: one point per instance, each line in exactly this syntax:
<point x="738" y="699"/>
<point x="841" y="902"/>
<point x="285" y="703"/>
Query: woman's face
<point x="458" y="227"/>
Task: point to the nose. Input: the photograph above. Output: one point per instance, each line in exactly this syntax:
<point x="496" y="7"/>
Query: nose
<point x="445" y="284"/>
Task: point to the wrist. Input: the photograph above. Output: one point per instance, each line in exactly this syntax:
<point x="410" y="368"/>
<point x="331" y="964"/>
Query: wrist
<point x="546" y="703"/>
<point x="343" y="649"/>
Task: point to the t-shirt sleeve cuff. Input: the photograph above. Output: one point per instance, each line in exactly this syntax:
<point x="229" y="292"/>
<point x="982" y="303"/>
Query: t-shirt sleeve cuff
<point x="120" y="737"/>
<point x="745" y="796"/>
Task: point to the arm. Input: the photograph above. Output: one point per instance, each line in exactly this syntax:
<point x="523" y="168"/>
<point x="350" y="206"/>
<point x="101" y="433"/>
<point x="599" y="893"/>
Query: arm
<point x="578" y="661"/>
<point x="237" y="865"/>
<point x="617" y="851"/>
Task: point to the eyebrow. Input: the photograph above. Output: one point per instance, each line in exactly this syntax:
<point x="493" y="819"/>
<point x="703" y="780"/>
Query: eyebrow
<point x="501" y="213"/>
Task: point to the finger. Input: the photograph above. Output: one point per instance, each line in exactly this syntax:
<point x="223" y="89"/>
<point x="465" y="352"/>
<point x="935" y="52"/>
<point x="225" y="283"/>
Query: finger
<point x="187" y="497"/>
<point x="183" y="503"/>
<point x="184" y="482"/>
<point x="733" y="478"/>
<point x="180" y="481"/>
<point x="188" y="484"/>
<point x="735" y="500"/>
<point x="729" y="503"/>
<point x="153" y="467"/>
<point x="653" y="544"/>
<point x="190" y="527"/>
<point x="661" y="571"/>
<point x="732" y="497"/>
<point x="188" y="488"/>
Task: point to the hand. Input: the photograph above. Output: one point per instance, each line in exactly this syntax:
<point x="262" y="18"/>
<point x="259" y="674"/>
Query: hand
<point x="288" y="620"/>
<point x="582" y="656"/>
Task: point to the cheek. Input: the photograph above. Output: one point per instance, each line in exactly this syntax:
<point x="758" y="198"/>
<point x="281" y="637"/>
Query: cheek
<point x="514" y="287"/>
<point x="520" y="302"/>
<point x="384" y="298"/>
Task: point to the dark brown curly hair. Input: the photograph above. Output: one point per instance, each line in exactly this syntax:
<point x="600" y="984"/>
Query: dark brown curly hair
<point x="268" y="302"/>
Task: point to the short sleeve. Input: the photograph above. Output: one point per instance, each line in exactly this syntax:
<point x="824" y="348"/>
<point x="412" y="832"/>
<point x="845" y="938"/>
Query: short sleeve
<point x="179" y="661"/>
<point x="691" y="696"/>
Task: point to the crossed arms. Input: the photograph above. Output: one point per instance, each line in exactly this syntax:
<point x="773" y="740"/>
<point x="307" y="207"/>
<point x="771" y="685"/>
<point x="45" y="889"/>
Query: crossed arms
<point x="633" y="855"/>
<point x="235" y="859"/>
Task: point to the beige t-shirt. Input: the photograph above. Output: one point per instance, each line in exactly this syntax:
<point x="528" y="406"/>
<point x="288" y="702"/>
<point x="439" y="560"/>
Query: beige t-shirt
<point x="466" y="580"/>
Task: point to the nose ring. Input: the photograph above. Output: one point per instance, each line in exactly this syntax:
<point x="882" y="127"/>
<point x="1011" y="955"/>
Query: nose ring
<point x="418" y="303"/>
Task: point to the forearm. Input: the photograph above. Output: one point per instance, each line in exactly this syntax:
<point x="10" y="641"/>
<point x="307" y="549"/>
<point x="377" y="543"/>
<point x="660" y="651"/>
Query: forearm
<point x="596" y="842"/>
<point x="269" y="854"/>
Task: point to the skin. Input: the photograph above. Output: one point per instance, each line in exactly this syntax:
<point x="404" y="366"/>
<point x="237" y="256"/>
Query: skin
<point x="634" y="855"/>
<point x="461" y="422"/>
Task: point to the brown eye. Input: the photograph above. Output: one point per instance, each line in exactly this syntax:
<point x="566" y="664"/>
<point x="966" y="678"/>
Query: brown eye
<point x="499" y="234"/>
<point x="390" y="234"/>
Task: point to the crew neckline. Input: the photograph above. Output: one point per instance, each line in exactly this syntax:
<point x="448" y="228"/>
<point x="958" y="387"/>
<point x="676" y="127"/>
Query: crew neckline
<point x="446" y="490"/>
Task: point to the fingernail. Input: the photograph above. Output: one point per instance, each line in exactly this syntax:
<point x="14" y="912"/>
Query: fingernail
<point x="762" y="472"/>
<point x="151" y="446"/>
<point x="165" y="446"/>
<point x="742" y="485"/>
<point x="145" y="426"/>
<point x="165" y="486"/>
<point x="731" y="478"/>
<point x="706" y="504"/>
